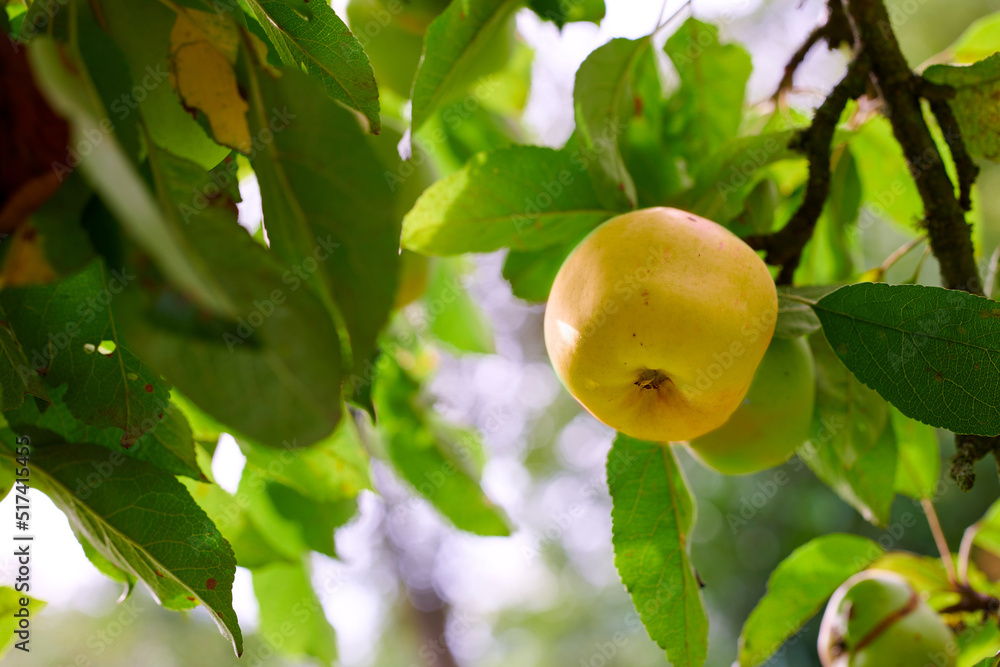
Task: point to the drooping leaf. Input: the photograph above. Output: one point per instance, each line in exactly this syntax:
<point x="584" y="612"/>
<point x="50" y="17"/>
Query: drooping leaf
<point x="330" y="470"/>
<point x="798" y="588"/>
<point x="435" y="466"/>
<point x="931" y="352"/>
<point x="62" y="326"/>
<point x="706" y="110"/>
<point x="603" y="101"/>
<point x="167" y="444"/>
<point x="10" y="604"/>
<point x="523" y="197"/>
<point x="461" y="33"/>
<point x="976" y="103"/>
<point x="561" y="13"/>
<point x="852" y="446"/>
<point x="329" y="210"/>
<point x="285" y="592"/>
<point x="144" y="522"/>
<point x="113" y="176"/>
<point x="652" y="516"/>
<point x="919" y="464"/>
<point x="281" y="350"/>
<point x="322" y="46"/>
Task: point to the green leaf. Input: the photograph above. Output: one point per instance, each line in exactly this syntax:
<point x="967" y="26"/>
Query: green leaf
<point x="252" y="546"/>
<point x="723" y="180"/>
<point x="561" y="12"/>
<point x="144" y="522"/>
<point x="652" y="516"/>
<point x="455" y="319"/>
<point x="650" y="159"/>
<point x="919" y="467"/>
<point x="281" y="351"/>
<point x="603" y="102"/>
<point x="706" y="110"/>
<point x="531" y="274"/>
<point x="929" y="351"/>
<point x="332" y="469"/>
<point x="798" y="588"/>
<point x="6" y="476"/>
<point x="285" y="593"/>
<point x="852" y="448"/>
<point x="322" y="46"/>
<point x="329" y="210"/>
<point x="979" y="41"/>
<point x="64" y="325"/>
<point x="454" y="40"/>
<point x="439" y="468"/>
<point x="888" y="187"/>
<point x="524" y="197"/>
<point x="17" y="377"/>
<point x="113" y="176"/>
<point x="987" y="529"/>
<point x="976" y="103"/>
<point x="315" y="521"/>
<point x="106" y="567"/>
<point x="167" y="444"/>
<point x="10" y="604"/>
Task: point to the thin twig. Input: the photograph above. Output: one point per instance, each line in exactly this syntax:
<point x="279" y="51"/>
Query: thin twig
<point x="897" y="255"/>
<point x="942" y="543"/>
<point x="964" y="552"/>
<point x="784" y="247"/>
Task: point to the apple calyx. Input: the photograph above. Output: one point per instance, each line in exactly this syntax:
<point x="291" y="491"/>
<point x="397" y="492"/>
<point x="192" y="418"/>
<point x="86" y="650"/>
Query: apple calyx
<point x="651" y="379"/>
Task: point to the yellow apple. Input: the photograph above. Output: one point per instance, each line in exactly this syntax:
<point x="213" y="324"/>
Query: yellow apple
<point x="773" y="419"/>
<point x="657" y="321"/>
<point x="876" y="619"/>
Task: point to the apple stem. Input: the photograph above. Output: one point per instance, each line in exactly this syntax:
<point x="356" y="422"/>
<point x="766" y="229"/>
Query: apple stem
<point x="939" y="539"/>
<point x="965" y="552"/>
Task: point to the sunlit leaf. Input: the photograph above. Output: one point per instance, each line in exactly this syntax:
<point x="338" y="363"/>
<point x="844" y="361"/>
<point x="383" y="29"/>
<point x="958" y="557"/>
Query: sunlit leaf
<point x="652" y="516"/>
<point x="798" y="588"/>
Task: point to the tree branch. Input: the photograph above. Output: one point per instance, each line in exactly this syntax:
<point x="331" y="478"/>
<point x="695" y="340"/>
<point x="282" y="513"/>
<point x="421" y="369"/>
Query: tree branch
<point x="784" y="247"/>
<point x="937" y="97"/>
<point x="949" y="234"/>
<point x="944" y="214"/>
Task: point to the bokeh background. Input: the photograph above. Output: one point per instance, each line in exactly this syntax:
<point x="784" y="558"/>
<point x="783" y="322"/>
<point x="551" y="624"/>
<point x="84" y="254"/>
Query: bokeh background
<point x="549" y="595"/>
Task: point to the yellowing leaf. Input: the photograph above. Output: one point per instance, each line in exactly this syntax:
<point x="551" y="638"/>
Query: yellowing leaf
<point x="203" y="50"/>
<point x="25" y="263"/>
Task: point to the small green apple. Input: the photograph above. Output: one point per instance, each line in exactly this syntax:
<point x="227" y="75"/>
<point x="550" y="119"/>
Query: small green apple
<point x="876" y="619"/>
<point x="773" y="419"/>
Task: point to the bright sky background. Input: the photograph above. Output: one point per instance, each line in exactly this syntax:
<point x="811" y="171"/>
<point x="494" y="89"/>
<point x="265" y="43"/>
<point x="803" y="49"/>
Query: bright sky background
<point x="63" y="576"/>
